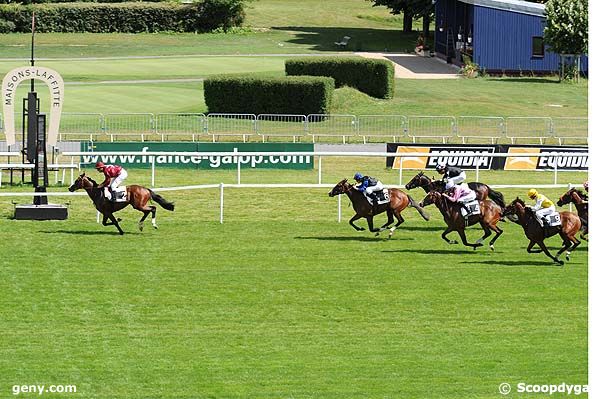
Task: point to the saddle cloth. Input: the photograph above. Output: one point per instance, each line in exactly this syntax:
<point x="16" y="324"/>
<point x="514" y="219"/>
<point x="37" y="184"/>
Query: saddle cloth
<point x="553" y="219"/>
<point x="383" y="197"/>
<point x="473" y="207"/>
<point x="120" y="193"/>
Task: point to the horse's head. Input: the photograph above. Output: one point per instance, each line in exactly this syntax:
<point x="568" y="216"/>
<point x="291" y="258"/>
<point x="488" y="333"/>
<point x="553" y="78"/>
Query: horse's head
<point x="432" y="197"/>
<point x="514" y="207"/>
<point x="82" y="182"/>
<point x="566" y="198"/>
<point x="420" y="180"/>
<point x="340" y="188"/>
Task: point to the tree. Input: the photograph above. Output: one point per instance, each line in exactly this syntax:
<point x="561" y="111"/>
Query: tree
<point x="410" y="9"/>
<point x="566" y="30"/>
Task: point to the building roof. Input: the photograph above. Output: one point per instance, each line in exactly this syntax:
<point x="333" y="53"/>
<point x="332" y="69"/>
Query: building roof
<point x="523" y="7"/>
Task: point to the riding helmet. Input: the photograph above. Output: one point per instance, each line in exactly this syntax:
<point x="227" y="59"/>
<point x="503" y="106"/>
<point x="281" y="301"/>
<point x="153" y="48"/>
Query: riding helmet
<point x="358" y="176"/>
<point x="99" y="165"/>
<point x="440" y="166"/>
<point x="532" y="193"/>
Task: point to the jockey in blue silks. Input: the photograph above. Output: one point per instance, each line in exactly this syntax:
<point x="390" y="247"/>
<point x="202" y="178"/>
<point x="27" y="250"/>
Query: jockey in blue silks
<point x="368" y="185"/>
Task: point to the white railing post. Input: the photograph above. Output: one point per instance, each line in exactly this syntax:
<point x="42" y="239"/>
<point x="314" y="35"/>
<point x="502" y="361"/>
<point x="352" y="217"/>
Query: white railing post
<point x="239" y="170"/>
<point x="153" y="167"/>
<point x="570" y="203"/>
<point x="555" y="170"/>
<point x="339" y="208"/>
<point x="400" y="171"/>
<point x="221" y="188"/>
<point x="477" y="170"/>
<point x="320" y="170"/>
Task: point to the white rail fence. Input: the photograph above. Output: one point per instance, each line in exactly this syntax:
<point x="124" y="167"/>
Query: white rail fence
<point x="201" y="127"/>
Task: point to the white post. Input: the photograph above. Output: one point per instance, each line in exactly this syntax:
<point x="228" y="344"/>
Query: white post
<point x="556" y="170"/>
<point x="339" y="208"/>
<point x="400" y="171"/>
<point x="239" y="170"/>
<point x="153" y="170"/>
<point x="221" y="187"/>
<point x="476" y="171"/>
<point x="570" y="203"/>
<point x="320" y="176"/>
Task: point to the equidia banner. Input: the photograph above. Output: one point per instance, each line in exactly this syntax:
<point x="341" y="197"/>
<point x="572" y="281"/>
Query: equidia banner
<point x="432" y="154"/>
<point x="202" y="162"/>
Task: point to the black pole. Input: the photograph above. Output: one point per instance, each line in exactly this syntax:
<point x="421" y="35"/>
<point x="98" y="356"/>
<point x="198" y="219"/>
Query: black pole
<point x="32" y="47"/>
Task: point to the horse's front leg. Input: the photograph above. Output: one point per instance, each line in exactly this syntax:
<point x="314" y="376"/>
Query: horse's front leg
<point x="370" y="223"/>
<point x="463" y="238"/>
<point x="356" y="217"/>
<point x="530" y="248"/>
<point x="390" y="219"/>
<point x="115" y="223"/>
<point x="445" y="233"/>
<point x="548" y="254"/>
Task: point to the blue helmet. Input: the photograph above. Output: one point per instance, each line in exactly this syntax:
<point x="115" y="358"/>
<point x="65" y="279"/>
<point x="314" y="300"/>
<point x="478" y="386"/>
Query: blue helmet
<point x="358" y="176"/>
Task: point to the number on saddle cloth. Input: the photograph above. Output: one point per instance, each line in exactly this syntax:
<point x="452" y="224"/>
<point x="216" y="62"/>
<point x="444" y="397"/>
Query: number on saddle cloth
<point x="553" y="219"/>
<point x="383" y="197"/>
<point x="473" y="207"/>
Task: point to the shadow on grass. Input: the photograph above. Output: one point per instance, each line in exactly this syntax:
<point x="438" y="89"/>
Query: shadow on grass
<point x="432" y="251"/>
<point x="89" y="233"/>
<point x="371" y="238"/>
<point x="525" y="80"/>
<point x="361" y="39"/>
<point x="537" y="263"/>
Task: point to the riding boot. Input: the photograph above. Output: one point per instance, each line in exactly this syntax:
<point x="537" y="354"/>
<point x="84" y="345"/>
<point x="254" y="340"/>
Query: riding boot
<point x="113" y="196"/>
<point x="374" y="199"/>
<point x="466" y="216"/>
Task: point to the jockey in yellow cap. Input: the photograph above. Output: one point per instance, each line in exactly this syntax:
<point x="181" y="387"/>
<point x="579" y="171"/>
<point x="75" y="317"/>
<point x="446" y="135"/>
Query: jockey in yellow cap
<point x="543" y="206"/>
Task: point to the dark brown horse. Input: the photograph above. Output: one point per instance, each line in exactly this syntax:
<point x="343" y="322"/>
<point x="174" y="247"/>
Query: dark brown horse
<point x="482" y="191"/>
<point x="490" y="214"/>
<point x="570" y="225"/>
<point x="578" y="198"/>
<point x="398" y="202"/>
<point x="137" y="197"/>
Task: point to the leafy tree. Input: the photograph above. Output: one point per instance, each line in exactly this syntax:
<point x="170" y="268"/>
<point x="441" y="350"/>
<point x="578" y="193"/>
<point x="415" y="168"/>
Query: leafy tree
<point x="566" y="30"/>
<point x="410" y="9"/>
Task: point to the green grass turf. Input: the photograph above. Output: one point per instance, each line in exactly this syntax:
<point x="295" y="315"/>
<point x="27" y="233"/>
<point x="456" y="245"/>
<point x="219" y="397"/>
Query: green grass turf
<point x="282" y="301"/>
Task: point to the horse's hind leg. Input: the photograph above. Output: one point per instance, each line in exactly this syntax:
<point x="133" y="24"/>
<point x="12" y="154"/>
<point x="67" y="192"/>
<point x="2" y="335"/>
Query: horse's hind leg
<point x="486" y="233"/>
<point x="400" y="221"/>
<point x="370" y="222"/>
<point x="548" y="254"/>
<point x="498" y="232"/>
<point x="463" y="237"/>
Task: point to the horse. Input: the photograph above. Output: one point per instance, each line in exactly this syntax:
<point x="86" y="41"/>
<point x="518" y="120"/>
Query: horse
<point x="398" y="202"/>
<point x="490" y="214"/>
<point x="578" y="198"/>
<point x="137" y="197"/>
<point x="570" y="225"/>
<point x="482" y="191"/>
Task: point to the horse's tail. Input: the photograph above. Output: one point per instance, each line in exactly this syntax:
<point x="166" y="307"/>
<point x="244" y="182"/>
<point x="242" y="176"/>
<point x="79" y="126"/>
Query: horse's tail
<point x="497" y="197"/>
<point x="415" y="205"/>
<point x="169" y="206"/>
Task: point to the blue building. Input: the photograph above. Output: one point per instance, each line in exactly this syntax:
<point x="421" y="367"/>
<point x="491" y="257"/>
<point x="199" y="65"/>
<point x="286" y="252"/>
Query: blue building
<point x="501" y="36"/>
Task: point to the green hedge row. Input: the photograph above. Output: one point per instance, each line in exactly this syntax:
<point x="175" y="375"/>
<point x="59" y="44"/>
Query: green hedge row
<point x="374" y="77"/>
<point x="69" y="1"/>
<point x="245" y="94"/>
<point x="130" y="17"/>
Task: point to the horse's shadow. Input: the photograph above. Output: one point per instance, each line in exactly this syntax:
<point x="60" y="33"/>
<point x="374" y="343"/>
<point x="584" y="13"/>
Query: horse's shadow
<point x="382" y="237"/>
<point x="514" y="263"/>
<point x="87" y="232"/>
<point x="431" y="251"/>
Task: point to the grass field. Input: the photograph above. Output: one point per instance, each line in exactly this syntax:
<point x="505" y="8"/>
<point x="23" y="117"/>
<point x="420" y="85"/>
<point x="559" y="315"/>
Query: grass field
<point x="282" y="301"/>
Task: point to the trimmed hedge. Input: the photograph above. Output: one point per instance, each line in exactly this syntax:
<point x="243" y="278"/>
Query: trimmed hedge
<point x="374" y="77"/>
<point x="244" y="94"/>
<point x="126" y="17"/>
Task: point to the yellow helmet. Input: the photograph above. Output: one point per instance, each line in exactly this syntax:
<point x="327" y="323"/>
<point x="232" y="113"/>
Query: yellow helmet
<point x="532" y="193"/>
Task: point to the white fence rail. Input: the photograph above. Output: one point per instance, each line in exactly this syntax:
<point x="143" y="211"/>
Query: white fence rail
<point x="198" y="126"/>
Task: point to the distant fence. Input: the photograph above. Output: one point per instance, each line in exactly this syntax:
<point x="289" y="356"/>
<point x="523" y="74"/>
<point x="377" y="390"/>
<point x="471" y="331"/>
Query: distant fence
<point x="200" y="127"/>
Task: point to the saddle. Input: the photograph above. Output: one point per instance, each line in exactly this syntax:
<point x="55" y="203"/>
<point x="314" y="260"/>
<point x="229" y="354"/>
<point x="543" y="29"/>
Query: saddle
<point x="472" y="209"/>
<point x="552" y="220"/>
<point x="383" y="197"/>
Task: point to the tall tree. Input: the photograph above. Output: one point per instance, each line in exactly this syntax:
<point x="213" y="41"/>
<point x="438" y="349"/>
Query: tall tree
<point x="410" y="9"/>
<point x="566" y="30"/>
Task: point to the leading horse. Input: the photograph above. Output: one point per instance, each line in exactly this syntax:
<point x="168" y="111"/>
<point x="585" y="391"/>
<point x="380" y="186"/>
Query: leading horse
<point x="578" y="198"/>
<point x="482" y="191"/>
<point x="490" y="214"/>
<point x="137" y="197"/>
<point x="399" y="201"/>
<point x="570" y="225"/>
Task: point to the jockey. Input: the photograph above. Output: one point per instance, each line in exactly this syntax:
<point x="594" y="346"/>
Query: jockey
<point x="111" y="172"/>
<point x="368" y="185"/>
<point x="543" y="206"/>
<point x="462" y="194"/>
<point x="586" y="185"/>
<point x="452" y="174"/>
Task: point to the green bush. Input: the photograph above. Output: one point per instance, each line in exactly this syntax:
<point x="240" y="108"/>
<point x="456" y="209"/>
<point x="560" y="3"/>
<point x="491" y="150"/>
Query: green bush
<point x="245" y="94"/>
<point x="6" y="26"/>
<point x="132" y="17"/>
<point x="371" y="76"/>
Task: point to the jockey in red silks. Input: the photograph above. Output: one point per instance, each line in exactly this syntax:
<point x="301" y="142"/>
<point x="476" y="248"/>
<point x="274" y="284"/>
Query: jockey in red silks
<point x="113" y="177"/>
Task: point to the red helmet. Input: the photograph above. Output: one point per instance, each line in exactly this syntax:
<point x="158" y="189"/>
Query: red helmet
<point x="99" y="165"/>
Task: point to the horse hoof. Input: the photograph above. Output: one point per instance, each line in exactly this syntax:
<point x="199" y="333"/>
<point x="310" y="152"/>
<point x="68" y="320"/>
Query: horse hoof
<point x="155" y="227"/>
<point x="560" y="262"/>
<point x="492" y="247"/>
<point x="377" y="234"/>
<point x="141" y="226"/>
<point x="119" y="219"/>
<point x="121" y="232"/>
<point x="361" y="229"/>
<point x="567" y="257"/>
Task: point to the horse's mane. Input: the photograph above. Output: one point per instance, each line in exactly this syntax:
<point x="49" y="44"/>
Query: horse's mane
<point x="581" y="194"/>
<point x="92" y="180"/>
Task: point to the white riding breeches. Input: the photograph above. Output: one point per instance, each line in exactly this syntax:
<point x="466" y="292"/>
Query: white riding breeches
<point x="377" y="187"/>
<point x="468" y="198"/>
<point x="453" y="181"/>
<point x="118" y="180"/>
<point x="541" y="213"/>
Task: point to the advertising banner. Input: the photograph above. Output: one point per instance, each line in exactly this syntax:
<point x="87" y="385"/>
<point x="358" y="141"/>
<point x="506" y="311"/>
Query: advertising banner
<point x="544" y="159"/>
<point x="202" y="162"/>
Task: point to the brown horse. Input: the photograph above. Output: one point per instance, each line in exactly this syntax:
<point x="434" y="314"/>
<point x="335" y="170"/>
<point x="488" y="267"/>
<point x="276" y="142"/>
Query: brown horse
<point x="490" y="214"/>
<point x="570" y="225"/>
<point x="137" y="197"/>
<point x="578" y="198"/>
<point x="398" y="202"/>
<point x="482" y="191"/>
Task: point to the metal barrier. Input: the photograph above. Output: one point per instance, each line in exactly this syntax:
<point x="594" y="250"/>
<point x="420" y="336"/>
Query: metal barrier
<point x="486" y="127"/>
<point x="231" y="125"/>
<point x="281" y="125"/>
<point x="84" y="126"/>
<point x="528" y="128"/>
<point x="320" y="125"/>
<point x="176" y="125"/>
<point x="441" y="127"/>
<point x="570" y="128"/>
<point x="128" y="125"/>
<point x="393" y="126"/>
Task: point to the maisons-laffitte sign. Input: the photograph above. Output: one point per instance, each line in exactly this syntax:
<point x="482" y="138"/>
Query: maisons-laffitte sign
<point x="9" y="89"/>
